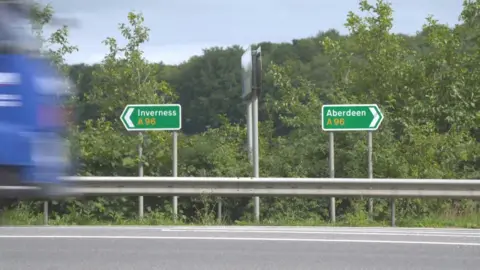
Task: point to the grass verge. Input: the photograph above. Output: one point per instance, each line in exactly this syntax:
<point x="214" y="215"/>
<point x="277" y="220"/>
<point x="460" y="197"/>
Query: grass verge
<point x="22" y="217"/>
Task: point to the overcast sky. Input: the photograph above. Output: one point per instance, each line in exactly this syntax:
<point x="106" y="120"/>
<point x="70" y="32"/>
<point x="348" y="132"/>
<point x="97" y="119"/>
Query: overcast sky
<point x="182" y="28"/>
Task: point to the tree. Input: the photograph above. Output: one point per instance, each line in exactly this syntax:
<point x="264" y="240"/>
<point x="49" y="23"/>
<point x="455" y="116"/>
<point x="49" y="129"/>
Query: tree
<point x="42" y="16"/>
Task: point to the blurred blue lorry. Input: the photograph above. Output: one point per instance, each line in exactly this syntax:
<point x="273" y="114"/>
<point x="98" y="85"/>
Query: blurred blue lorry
<point x="34" y="154"/>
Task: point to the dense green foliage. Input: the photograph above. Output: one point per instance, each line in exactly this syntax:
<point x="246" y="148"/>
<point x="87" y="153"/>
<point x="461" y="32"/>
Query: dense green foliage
<point x="426" y="85"/>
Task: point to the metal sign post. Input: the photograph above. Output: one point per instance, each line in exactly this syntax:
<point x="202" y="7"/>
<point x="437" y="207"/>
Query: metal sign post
<point x="251" y="63"/>
<point x="154" y="117"/>
<point x="351" y="117"/>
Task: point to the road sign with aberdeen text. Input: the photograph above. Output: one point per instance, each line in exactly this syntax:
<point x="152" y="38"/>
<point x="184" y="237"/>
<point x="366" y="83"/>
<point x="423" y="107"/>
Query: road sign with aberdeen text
<point x="351" y="117"/>
<point x="150" y="117"/>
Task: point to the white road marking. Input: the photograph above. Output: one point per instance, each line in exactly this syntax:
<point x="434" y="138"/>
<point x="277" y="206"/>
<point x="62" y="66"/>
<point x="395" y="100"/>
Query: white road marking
<point x="447" y="232"/>
<point x="120" y="237"/>
<point x="235" y="228"/>
<point x="465" y="235"/>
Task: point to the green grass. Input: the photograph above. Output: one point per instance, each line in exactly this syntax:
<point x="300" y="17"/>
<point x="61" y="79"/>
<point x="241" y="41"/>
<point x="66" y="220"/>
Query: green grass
<point x="467" y="216"/>
<point x="445" y="220"/>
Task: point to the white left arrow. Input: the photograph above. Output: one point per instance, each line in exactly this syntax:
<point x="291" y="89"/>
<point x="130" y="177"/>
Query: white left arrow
<point x="127" y="117"/>
<point x="376" y="117"/>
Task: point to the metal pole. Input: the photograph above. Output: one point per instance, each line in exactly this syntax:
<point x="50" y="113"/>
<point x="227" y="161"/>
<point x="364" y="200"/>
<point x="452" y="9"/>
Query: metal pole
<point x="45" y="212"/>
<point x="331" y="166"/>
<point x="140" y="172"/>
<point x="250" y="142"/>
<point x="256" y="166"/>
<point x="370" y="171"/>
<point x="249" y="131"/>
<point x="256" y="172"/>
<point x="392" y="210"/>
<point x="175" y="173"/>
<point x="219" y="210"/>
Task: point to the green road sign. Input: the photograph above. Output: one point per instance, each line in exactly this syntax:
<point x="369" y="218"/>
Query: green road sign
<point x="351" y="117"/>
<point x="138" y="117"/>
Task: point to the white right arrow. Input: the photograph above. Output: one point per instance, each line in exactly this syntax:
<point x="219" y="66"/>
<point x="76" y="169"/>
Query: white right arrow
<point x="376" y="117"/>
<point x="127" y="117"/>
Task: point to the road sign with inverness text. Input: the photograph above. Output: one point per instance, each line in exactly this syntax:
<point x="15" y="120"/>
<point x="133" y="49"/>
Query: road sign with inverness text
<point x="351" y="117"/>
<point x="149" y="117"/>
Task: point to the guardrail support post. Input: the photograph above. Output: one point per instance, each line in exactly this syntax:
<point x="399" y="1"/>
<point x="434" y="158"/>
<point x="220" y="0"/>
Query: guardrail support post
<point x="392" y="210"/>
<point x="219" y="210"/>
<point x="45" y="212"/>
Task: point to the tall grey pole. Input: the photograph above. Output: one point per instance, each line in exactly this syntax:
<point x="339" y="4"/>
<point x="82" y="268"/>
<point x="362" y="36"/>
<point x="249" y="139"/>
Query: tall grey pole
<point x="140" y="172"/>
<point x="250" y="143"/>
<point x="331" y="166"/>
<point x="175" y="173"/>
<point x="250" y="130"/>
<point x="256" y="172"/>
<point x="370" y="170"/>
<point x="255" y="154"/>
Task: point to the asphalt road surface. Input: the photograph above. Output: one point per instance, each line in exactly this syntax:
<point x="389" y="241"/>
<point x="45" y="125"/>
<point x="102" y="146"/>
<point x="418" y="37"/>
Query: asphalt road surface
<point x="212" y="248"/>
